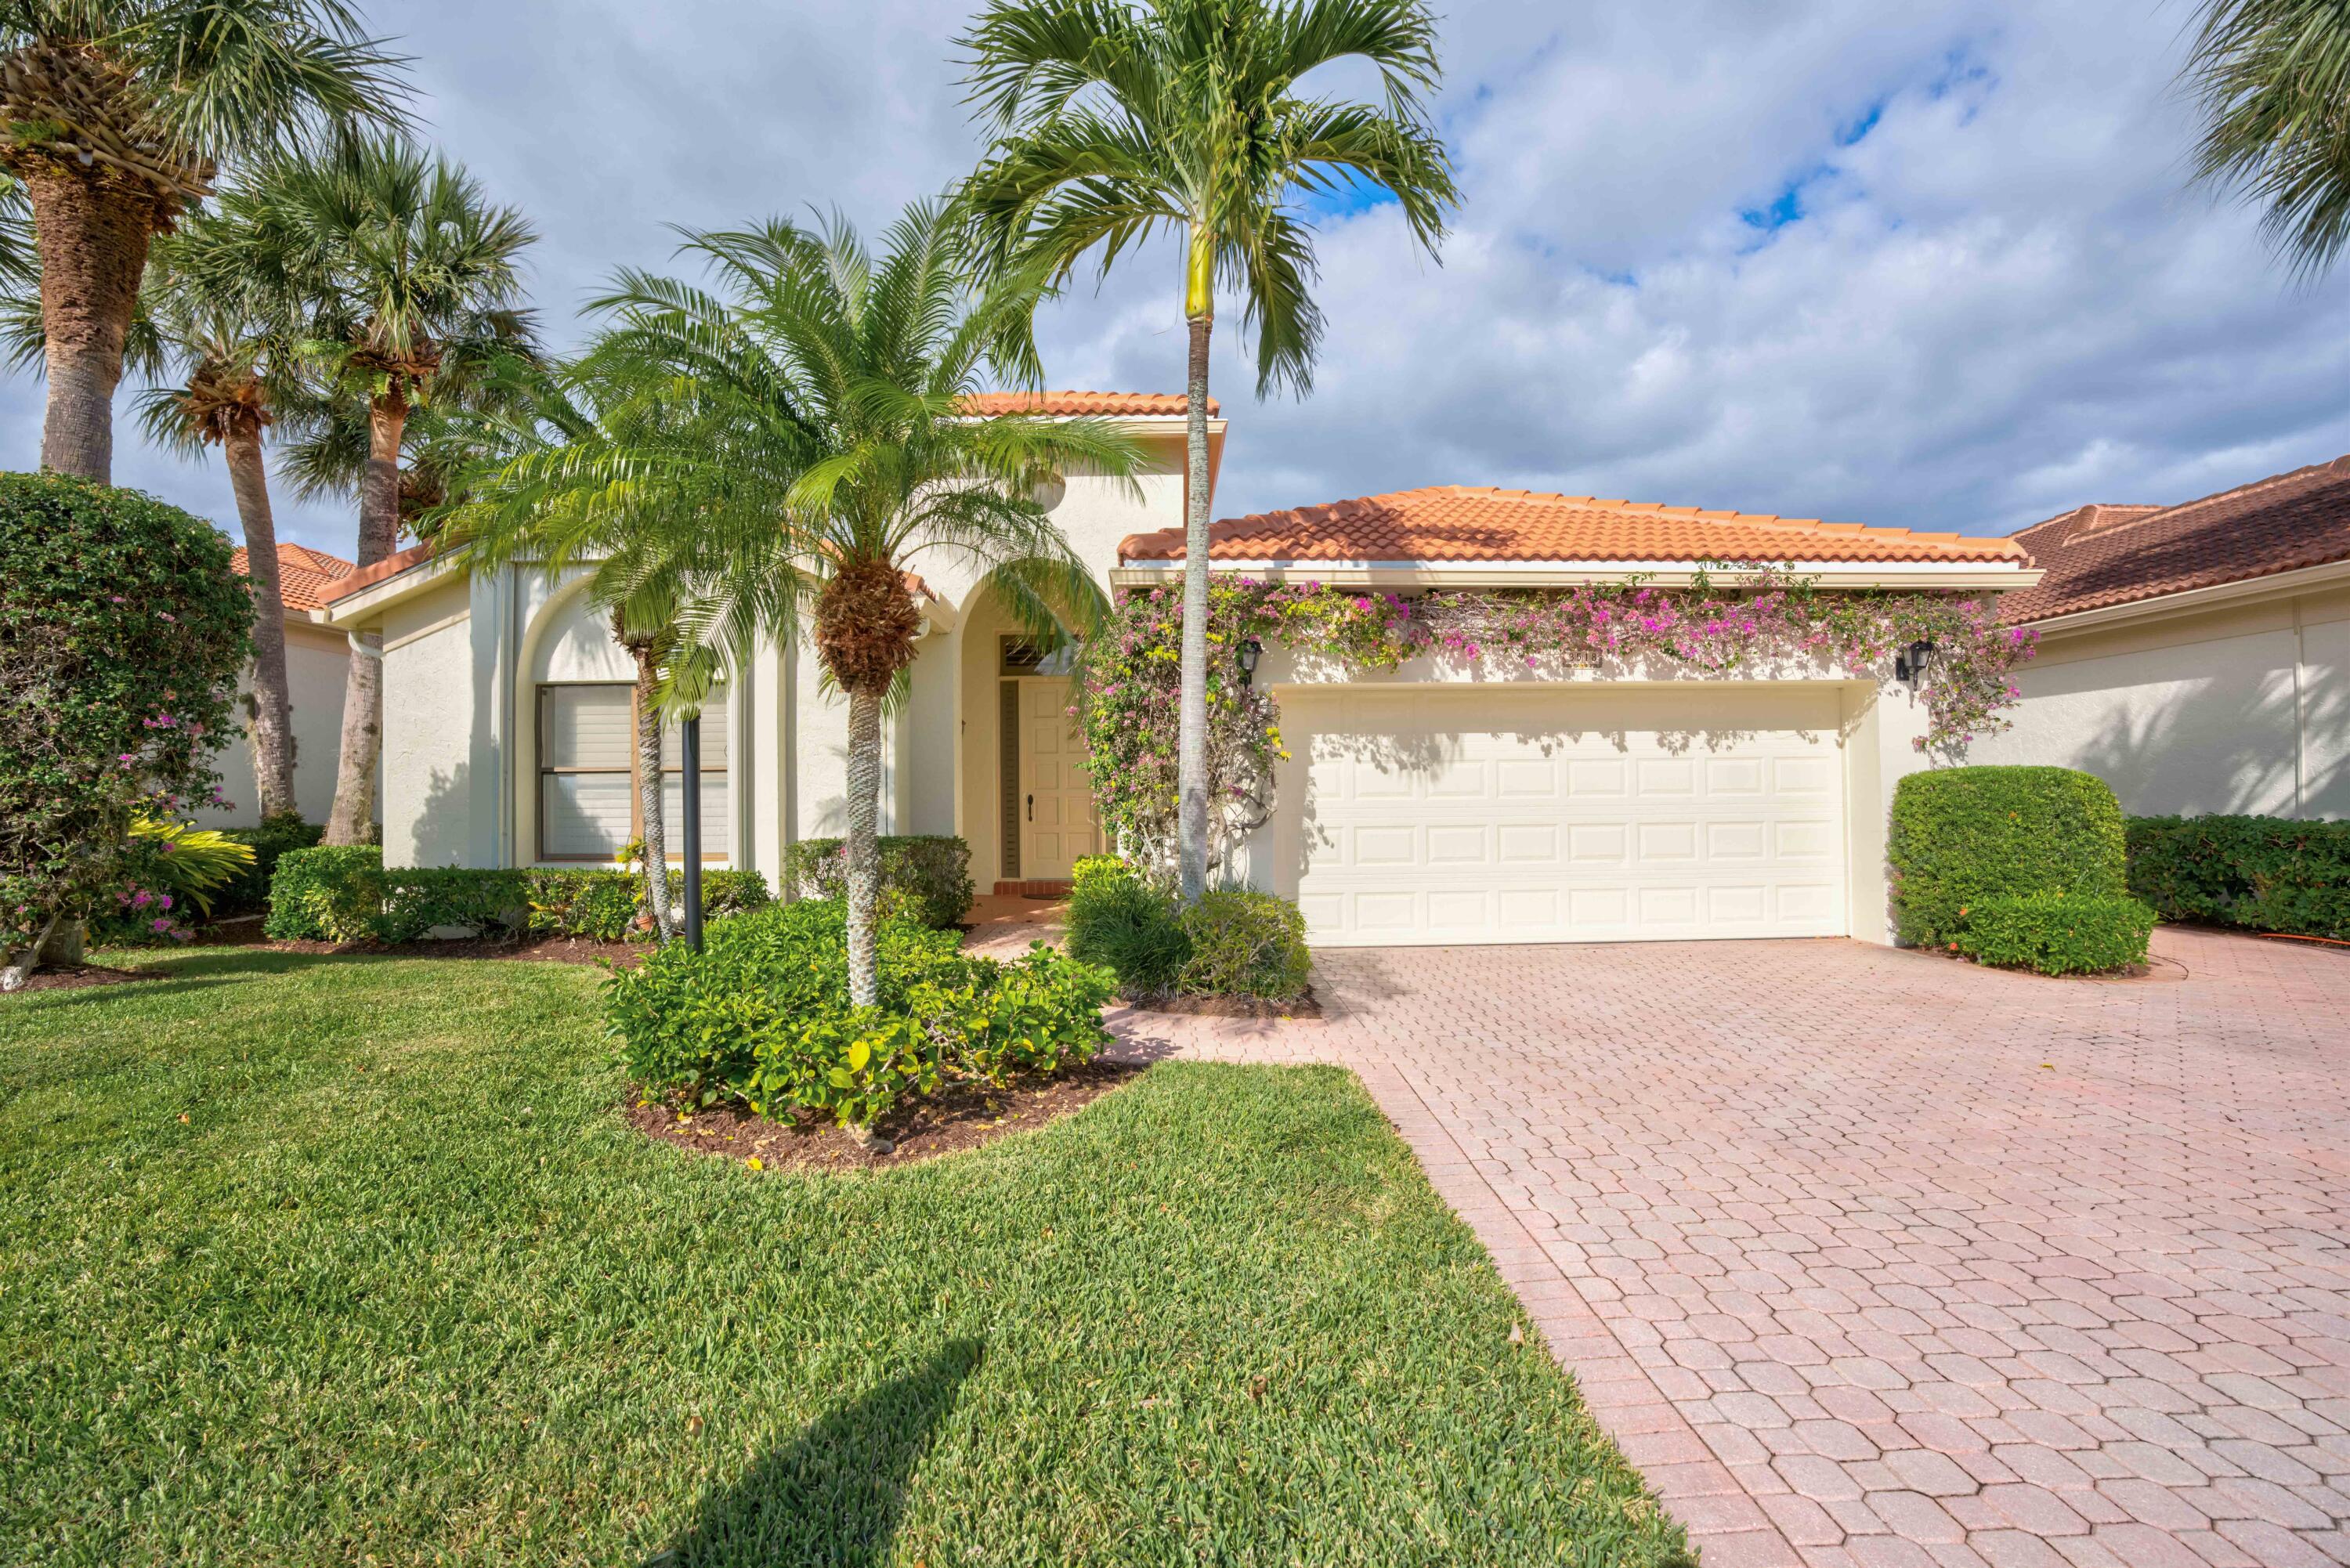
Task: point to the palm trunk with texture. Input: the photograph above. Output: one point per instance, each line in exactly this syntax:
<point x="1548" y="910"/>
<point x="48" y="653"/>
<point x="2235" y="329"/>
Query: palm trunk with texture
<point x="92" y="240"/>
<point x="354" y="808"/>
<point x="864" y="846"/>
<point x="658" y="900"/>
<point x="273" y="704"/>
<point x="1192" y="728"/>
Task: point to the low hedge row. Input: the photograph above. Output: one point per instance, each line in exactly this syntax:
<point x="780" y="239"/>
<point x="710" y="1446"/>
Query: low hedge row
<point x="2057" y="934"/>
<point x="762" y="1015"/>
<point x="2264" y="873"/>
<point x="340" y="894"/>
<point x="1230" y="943"/>
<point x="924" y="877"/>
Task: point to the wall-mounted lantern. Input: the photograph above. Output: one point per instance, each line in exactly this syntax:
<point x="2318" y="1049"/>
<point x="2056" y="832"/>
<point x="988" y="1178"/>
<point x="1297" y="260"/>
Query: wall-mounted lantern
<point x="1251" y="650"/>
<point x="1909" y="666"/>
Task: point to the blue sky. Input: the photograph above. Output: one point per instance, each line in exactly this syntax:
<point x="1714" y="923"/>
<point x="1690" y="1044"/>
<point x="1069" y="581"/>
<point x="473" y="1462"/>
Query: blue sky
<point x="1930" y="266"/>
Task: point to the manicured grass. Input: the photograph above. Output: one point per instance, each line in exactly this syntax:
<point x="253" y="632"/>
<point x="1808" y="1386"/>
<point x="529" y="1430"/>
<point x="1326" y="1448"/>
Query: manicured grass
<point x="343" y="1260"/>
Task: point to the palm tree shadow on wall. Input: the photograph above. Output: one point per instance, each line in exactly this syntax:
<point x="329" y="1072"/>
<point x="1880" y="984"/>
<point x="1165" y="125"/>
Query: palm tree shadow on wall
<point x="833" y="1498"/>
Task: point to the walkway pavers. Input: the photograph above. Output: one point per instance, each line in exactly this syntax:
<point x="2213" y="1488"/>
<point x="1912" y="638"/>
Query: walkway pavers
<point x="1868" y="1257"/>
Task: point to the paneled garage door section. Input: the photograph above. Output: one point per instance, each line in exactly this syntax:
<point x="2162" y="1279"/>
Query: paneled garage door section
<point x="1557" y="814"/>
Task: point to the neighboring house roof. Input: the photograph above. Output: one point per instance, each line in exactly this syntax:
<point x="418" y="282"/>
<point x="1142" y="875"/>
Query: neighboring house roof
<point x="391" y="566"/>
<point x="1465" y="523"/>
<point x="1106" y="405"/>
<point x="307" y="578"/>
<point x="2102" y="555"/>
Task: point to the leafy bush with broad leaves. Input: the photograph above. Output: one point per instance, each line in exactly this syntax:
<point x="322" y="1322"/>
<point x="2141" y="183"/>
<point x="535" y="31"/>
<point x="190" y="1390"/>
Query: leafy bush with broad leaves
<point x="122" y="628"/>
<point x="2264" y="873"/>
<point x="762" y="1015"/>
<point x="1234" y="942"/>
<point x="342" y="894"/>
<point x="2057" y="934"/>
<point x="1120" y="919"/>
<point x="1961" y="836"/>
<point x="924" y="877"/>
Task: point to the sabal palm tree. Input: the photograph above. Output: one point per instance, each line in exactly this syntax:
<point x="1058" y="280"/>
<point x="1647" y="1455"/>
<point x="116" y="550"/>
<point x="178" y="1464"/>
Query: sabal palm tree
<point x="2274" y="80"/>
<point x="116" y="115"/>
<point x="802" y="445"/>
<point x="387" y="254"/>
<point x="1113" y="120"/>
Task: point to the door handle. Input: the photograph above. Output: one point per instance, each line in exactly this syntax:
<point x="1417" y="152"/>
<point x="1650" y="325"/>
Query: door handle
<point x="1031" y="808"/>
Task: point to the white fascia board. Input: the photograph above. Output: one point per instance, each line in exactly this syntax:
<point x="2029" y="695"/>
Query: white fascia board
<point x="1945" y="575"/>
<point x="369" y="602"/>
<point x="2277" y="585"/>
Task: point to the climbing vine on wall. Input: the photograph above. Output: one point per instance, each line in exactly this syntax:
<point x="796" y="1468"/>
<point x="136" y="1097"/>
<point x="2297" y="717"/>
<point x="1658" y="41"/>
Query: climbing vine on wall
<point x="1753" y="618"/>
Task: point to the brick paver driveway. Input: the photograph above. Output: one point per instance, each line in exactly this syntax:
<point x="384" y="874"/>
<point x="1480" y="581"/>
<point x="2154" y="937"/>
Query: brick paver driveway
<point x="1870" y="1258"/>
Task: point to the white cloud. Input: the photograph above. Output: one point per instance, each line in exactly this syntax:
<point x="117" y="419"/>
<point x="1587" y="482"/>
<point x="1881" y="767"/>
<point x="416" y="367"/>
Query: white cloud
<point x="1991" y="300"/>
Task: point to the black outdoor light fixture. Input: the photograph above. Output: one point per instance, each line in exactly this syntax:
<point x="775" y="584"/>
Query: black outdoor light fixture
<point x="1251" y="650"/>
<point x="1909" y="666"/>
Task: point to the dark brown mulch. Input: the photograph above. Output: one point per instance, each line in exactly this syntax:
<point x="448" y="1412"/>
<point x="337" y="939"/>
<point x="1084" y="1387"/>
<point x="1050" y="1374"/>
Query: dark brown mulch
<point x="74" y="976"/>
<point x="963" y="1115"/>
<point x="1305" y="1006"/>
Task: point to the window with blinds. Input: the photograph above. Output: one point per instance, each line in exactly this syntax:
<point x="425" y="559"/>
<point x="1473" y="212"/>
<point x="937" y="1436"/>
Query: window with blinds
<point x="716" y="748"/>
<point x="586" y="772"/>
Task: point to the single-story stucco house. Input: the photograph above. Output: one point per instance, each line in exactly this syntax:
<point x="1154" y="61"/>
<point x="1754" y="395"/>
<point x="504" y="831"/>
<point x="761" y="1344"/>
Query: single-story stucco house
<point x="318" y="666"/>
<point x="2196" y="657"/>
<point x="1436" y="802"/>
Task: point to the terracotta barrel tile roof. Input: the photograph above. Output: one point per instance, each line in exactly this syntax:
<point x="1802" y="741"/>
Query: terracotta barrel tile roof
<point x="2098" y="556"/>
<point x="304" y="576"/>
<point x="391" y="566"/>
<point x="1463" y="522"/>
<point x="1105" y="405"/>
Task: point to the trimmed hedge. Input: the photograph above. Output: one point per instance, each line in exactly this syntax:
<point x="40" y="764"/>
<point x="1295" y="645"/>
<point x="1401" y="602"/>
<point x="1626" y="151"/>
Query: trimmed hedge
<point x="1961" y="836"/>
<point x="925" y="877"/>
<point x="2056" y="933"/>
<point x="2264" y="873"/>
<point x="341" y="894"/>
<point x="762" y="1015"/>
<point x="1230" y="943"/>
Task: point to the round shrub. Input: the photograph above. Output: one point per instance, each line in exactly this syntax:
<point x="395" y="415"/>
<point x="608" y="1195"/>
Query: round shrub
<point x="1961" y="836"/>
<point x="122" y="628"/>
<point x="1246" y="944"/>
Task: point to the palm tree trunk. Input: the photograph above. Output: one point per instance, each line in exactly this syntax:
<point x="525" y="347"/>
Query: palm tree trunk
<point x="354" y="808"/>
<point x="93" y="244"/>
<point x="649" y="792"/>
<point x="1192" y="729"/>
<point x="273" y="704"/>
<point x="864" y="846"/>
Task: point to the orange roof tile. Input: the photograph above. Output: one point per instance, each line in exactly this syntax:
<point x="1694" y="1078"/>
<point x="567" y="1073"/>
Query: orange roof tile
<point x="2102" y="555"/>
<point x="391" y="566"/>
<point x="304" y="576"/>
<point x="1464" y="523"/>
<point x="1099" y="404"/>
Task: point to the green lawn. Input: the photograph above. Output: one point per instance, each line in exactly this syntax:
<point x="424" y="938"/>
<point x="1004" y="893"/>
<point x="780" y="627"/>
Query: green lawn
<point x="329" y="1260"/>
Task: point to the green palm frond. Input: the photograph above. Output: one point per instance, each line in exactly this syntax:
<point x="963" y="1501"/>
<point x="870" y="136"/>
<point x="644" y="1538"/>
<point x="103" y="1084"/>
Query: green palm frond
<point x="2274" y="78"/>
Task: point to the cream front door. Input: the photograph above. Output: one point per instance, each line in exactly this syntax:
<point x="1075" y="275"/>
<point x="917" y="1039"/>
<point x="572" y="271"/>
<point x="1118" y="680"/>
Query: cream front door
<point x="1056" y="799"/>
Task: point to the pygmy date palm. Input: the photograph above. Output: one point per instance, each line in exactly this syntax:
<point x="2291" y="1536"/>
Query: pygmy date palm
<point x="2274" y="80"/>
<point x="1115" y="120"/>
<point x="116" y="115"/>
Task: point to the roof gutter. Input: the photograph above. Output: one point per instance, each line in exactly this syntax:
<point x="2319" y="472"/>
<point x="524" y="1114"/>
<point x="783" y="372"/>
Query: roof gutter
<point x="2331" y="574"/>
<point x="1991" y="574"/>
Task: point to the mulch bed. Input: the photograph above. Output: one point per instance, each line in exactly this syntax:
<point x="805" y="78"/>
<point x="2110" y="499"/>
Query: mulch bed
<point x="74" y="977"/>
<point x="542" y="948"/>
<point x="1305" y="1007"/>
<point x="964" y="1116"/>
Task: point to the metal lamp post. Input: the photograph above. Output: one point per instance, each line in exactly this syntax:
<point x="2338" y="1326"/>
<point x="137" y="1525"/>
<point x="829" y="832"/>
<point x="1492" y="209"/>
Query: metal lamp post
<point x="689" y="743"/>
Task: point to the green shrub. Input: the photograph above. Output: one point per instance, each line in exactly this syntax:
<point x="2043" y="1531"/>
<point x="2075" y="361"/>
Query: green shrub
<point x="2264" y="873"/>
<point x="924" y="877"/>
<point x="1127" y="925"/>
<point x="2057" y="934"/>
<point x="1036" y="1014"/>
<point x="1246" y="944"/>
<point x="277" y="835"/>
<point x="1961" y="836"/>
<point x="346" y="894"/>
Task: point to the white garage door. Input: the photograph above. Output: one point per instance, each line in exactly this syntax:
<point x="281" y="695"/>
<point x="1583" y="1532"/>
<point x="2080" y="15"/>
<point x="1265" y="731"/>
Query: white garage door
<point x="1475" y="815"/>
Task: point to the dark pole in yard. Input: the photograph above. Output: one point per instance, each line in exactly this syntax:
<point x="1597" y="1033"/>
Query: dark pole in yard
<point x="690" y="739"/>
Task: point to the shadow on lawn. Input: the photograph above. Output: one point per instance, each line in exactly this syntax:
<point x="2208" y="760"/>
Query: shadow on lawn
<point x="834" y="1497"/>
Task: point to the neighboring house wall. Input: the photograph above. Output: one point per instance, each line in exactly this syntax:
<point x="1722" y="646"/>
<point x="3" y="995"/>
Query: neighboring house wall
<point x="2243" y="708"/>
<point x="318" y="663"/>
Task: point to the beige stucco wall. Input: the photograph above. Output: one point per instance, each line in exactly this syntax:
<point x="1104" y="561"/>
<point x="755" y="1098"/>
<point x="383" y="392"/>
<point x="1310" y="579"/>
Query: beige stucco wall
<point x="318" y="662"/>
<point x="439" y="798"/>
<point x="2241" y="707"/>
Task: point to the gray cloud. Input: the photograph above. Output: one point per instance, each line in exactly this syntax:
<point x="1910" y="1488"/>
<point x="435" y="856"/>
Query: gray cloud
<point x="1936" y="271"/>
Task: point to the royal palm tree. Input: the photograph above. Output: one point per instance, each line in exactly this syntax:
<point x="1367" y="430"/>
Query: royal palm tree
<point x="2274" y="80"/>
<point x="797" y="444"/>
<point x="116" y="115"/>
<point x="387" y="257"/>
<point x="1113" y="120"/>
